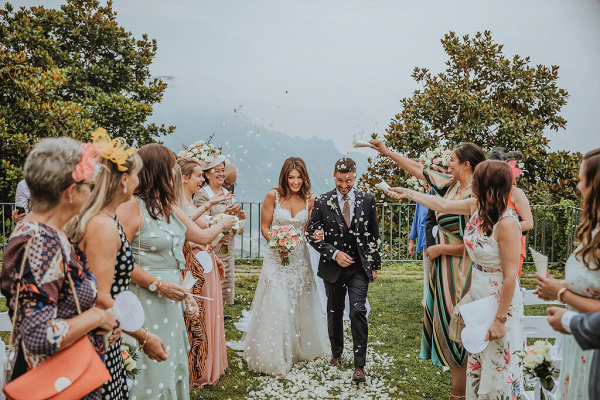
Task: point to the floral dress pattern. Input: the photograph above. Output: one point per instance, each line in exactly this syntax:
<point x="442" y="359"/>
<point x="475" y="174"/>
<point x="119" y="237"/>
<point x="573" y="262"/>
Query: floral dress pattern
<point x="46" y="299"/>
<point x="495" y="373"/>
<point x="576" y="363"/>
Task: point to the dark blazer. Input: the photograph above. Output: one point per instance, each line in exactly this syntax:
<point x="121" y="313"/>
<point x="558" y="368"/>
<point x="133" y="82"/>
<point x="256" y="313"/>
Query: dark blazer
<point x="331" y="222"/>
<point x="586" y="330"/>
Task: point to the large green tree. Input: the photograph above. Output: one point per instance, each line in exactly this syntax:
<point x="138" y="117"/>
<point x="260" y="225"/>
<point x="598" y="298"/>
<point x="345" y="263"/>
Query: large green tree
<point x="64" y="72"/>
<point x="485" y="98"/>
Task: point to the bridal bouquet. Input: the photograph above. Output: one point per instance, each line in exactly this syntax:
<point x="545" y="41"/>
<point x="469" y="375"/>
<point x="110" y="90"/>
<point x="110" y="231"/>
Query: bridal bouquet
<point x="538" y="362"/>
<point x="284" y="238"/>
<point x="130" y="356"/>
<point x="198" y="151"/>
<point x="215" y="219"/>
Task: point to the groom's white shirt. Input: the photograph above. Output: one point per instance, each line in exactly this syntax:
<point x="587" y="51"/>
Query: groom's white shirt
<point x="351" y="201"/>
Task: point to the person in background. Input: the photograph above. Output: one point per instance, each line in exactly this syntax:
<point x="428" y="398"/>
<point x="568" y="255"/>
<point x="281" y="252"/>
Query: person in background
<point x="215" y="363"/>
<point x="214" y="175"/>
<point x="517" y="200"/>
<point x="231" y="174"/>
<point x="417" y="232"/>
<point x="58" y="173"/>
<point x="580" y="290"/>
<point x="21" y="202"/>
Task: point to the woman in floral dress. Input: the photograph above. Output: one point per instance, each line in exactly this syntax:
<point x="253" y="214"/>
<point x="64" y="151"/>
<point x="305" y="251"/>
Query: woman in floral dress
<point x="450" y="276"/>
<point x="492" y="239"/>
<point x="580" y="290"/>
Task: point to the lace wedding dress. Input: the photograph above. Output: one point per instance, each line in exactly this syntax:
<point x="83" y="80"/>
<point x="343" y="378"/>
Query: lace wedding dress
<point x="286" y="324"/>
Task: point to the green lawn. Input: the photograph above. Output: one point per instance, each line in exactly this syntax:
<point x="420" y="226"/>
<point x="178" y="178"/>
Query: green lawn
<point x="395" y="337"/>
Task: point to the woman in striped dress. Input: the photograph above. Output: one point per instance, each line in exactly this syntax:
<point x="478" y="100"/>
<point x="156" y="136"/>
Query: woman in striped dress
<point x="450" y="275"/>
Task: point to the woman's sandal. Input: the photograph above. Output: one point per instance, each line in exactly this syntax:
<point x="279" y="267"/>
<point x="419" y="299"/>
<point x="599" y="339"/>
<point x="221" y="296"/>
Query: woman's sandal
<point x="453" y="396"/>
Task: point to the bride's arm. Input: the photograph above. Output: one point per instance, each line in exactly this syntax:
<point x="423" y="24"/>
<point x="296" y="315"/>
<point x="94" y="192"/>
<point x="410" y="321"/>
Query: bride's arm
<point x="266" y="214"/>
<point x="311" y="203"/>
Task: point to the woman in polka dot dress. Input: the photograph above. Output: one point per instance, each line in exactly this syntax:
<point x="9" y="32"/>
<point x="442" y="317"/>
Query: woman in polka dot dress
<point x="111" y="259"/>
<point x="157" y="230"/>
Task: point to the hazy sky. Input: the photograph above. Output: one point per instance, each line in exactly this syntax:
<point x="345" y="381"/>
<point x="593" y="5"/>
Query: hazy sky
<point x="337" y="68"/>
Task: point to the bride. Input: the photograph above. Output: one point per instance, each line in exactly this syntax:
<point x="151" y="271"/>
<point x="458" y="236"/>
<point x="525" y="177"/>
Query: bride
<point x="286" y="324"/>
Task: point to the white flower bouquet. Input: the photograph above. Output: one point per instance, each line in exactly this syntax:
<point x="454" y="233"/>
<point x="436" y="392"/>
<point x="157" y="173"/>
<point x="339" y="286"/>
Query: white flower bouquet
<point x="285" y="239"/>
<point x="215" y="219"/>
<point x="130" y="356"/>
<point x="198" y="151"/>
<point x="538" y="362"/>
<point x="437" y="157"/>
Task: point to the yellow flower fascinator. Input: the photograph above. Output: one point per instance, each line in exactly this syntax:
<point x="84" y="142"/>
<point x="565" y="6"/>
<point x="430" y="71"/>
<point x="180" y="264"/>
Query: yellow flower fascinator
<point x="115" y="150"/>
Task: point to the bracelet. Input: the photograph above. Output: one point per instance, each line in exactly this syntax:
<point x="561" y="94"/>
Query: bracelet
<point x="560" y="293"/>
<point x="205" y="207"/>
<point x="145" y="339"/>
<point x="158" y="288"/>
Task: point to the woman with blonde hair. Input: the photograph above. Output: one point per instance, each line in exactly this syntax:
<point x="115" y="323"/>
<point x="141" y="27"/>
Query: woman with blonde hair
<point x="205" y="367"/>
<point x="111" y="259"/>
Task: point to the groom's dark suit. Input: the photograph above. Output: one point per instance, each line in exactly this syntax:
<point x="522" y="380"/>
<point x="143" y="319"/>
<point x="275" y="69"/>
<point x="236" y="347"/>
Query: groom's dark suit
<point x="361" y="242"/>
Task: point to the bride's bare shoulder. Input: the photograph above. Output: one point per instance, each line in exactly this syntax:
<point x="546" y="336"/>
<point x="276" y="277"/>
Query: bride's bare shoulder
<point x="270" y="197"/>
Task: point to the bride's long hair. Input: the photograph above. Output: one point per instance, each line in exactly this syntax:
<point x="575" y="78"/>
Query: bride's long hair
<point x="294" y="163"/>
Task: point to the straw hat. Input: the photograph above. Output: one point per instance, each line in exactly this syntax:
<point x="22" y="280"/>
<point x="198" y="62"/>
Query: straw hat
<point x="212" y="161"/>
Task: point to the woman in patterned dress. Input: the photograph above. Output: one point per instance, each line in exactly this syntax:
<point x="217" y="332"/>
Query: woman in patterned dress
<point x="580" y="290"/>
<point x="492" y="238"/>
<point x="157" y="230"/>
<point x="111" y="259"/>
<point x="213" y="363"/>
<point x="450" y="276"/>
<point x="57" y="172"/>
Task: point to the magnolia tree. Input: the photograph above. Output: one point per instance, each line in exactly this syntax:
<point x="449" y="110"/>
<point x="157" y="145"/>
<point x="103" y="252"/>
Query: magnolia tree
<point x="485" y="98"/>
<point x="67" y="71"/>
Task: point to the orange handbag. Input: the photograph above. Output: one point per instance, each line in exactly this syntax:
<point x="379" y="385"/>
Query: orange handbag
<point x="70" y="374"/>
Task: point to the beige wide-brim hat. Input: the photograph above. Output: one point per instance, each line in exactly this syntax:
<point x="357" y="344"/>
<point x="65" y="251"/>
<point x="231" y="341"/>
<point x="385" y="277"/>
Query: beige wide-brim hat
<point x="212" y="161"/>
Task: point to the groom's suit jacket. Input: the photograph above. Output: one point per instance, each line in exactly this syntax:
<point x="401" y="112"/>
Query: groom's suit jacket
<point x="363" y="233"/>
<point x="586" y="331"/>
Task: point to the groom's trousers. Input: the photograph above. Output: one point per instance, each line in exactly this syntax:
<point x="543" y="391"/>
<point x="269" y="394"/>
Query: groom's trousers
<point x="354" y="280"/>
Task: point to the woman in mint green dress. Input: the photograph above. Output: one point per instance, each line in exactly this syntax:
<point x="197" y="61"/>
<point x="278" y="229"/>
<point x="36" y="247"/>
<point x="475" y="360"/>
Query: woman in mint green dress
<point x="157" y="230"/>
<point x="580" y="290"/>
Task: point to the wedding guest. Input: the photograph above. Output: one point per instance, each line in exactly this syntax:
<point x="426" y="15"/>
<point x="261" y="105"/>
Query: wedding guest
<point x="21" y="202"/>
<point x="111" y="259"/>
<point x="231" y="174"/>
<point x="492" y="239"/>
<point x="451" y="275"/>
<point x="58" y="173"/>
<point x="417" y="232"/>
<point x="214" y="175"/>
<point x="157" y="230"/>
<point x="517" y="200"/>
<point x="215" y="362"/>
<point x="580" y="290"/>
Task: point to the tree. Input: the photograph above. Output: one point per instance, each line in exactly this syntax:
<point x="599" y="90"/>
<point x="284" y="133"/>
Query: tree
<point x="485" y="98"/>
<point x="64" y="73"/>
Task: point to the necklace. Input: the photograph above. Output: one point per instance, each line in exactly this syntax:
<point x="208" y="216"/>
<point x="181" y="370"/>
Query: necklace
<point x="112" y="216"/>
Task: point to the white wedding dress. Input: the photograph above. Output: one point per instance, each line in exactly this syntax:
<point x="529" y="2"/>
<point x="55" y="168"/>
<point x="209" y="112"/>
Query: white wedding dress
<point x="286" y="324"/>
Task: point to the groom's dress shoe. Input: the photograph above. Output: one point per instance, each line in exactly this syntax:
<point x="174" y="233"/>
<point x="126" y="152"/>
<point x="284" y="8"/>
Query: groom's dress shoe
<point x="359" y="375"/>
<point x="335" y="362"/>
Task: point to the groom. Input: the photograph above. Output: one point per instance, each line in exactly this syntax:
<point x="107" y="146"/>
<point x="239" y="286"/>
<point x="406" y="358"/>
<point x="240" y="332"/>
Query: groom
<point x="343" y="228"/>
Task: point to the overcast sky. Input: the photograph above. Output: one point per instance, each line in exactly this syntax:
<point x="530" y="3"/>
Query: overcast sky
<point x="337" y="68"/>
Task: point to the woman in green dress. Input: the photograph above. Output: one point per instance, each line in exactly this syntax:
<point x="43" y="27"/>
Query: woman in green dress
<point x="450" y="276"/>
<point x="157" y="230"/>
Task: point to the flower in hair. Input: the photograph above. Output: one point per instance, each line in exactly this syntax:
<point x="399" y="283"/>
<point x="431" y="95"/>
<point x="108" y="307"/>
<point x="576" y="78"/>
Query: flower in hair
<point x="115" y="150"/>
<point x="515" y="170"/>
<point x="87" y="166"/>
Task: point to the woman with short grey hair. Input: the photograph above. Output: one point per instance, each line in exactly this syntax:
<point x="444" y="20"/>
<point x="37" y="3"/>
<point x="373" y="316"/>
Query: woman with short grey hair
<point x="58" y="173"/>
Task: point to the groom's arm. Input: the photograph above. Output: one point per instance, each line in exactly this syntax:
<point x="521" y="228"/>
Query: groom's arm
<point x="374" y="242"/>
<point x="316" y="223"/>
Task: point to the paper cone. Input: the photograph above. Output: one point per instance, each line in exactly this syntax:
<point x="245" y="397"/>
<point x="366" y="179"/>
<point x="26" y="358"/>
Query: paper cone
<point x="383" y="186"/>
<point x="540" y="261"/>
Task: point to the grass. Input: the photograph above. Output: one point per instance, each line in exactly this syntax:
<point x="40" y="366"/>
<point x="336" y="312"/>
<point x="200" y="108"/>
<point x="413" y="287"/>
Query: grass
<point x="395" y="322"/>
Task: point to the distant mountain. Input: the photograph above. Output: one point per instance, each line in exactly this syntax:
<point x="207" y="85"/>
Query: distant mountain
<point x="259" y="154"/>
